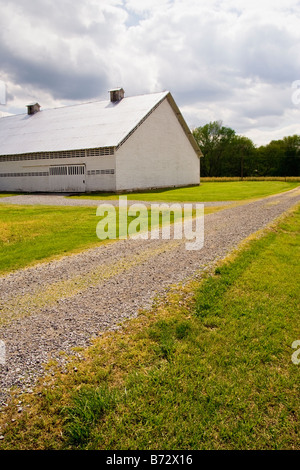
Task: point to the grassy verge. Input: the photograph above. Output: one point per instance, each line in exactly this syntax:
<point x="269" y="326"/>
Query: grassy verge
<point x="9" y="194"/>
<point x="209" y="368"/>
<point x="250" y="178"/>
<point x="206" y="192"/>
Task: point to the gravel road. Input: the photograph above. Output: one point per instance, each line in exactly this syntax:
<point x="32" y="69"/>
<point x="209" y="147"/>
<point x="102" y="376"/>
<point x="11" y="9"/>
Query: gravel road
<point x="63" y="200"/>
<point x="55" y="306"/>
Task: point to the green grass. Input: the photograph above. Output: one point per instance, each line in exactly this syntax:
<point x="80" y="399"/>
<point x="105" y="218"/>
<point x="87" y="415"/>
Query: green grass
<point x="206" y="192"/>
<point x="90" y="407"/>
<point x="209" y="368"/>
<point x="29" y="234"/>
<point x="249" y="178"/>
<point x="9" y="194"/>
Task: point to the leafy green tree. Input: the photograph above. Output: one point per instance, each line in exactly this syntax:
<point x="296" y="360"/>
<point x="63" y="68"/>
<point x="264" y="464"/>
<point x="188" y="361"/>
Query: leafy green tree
<point x="268" y="159"/>
<point x="213" y="139"/>
<point x="228" y="154"/>
<point x="290" y="165"/>
<point x="241" y="158"/>
<point x="280" y="157"/>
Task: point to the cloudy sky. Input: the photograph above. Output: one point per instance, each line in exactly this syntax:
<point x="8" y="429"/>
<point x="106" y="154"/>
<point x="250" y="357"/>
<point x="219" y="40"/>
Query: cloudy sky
<point x="231" y="60"/>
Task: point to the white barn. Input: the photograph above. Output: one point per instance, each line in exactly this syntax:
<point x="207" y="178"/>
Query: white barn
<point x="122" y="144"/>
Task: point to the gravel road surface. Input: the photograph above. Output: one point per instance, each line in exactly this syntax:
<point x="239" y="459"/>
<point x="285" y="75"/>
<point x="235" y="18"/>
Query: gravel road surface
<point x="56" y="306"/>
<point x="63" y="200"/>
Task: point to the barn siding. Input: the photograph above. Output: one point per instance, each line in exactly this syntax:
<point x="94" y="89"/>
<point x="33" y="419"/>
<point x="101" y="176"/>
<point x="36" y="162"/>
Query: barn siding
<point x="99" y="174"/>
<point x="158" y="154"/>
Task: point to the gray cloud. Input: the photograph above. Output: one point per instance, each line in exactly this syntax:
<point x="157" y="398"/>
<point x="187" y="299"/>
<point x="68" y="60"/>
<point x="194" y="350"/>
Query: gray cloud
<point x="64" y="80"/>
<point x="268" y="52"/>
<point x="221" y="60"/>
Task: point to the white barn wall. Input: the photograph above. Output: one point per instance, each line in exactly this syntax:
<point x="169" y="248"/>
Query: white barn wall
<point x="24" y="183"/>
<point x="105" y="182"/>
<point x="101" y="182"/>
<point x="157" y="154"/>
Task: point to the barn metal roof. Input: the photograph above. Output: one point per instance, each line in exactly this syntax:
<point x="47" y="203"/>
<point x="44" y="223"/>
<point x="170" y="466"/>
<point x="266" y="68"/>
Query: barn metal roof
<point x="88" y="125"/>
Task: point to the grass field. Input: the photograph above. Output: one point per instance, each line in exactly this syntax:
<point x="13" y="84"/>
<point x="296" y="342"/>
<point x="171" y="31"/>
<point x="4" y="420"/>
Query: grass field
<point x="29" y="234"/>
<point x="209" y="368"/>
<point x="249" y="178"/>
<point x="206" y="192"/>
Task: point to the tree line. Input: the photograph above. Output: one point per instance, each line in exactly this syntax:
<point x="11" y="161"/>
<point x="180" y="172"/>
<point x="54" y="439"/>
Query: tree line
<point x="228" y="154"/>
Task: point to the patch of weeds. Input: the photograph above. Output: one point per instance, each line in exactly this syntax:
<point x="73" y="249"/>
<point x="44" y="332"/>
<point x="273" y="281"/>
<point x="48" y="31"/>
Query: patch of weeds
<point x="88" y="407"/>
<point x="182" y="330"/>
<point x="166" y="333"/>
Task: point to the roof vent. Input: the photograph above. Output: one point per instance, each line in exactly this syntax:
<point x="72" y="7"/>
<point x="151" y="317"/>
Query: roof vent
<point x="116" y="94"/>
<point x="33" y="108"/>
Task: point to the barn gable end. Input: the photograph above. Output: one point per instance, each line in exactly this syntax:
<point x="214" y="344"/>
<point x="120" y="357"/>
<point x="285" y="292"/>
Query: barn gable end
<point x="158" y="154"/>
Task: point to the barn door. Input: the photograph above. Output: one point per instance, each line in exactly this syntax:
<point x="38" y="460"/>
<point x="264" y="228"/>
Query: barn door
<point x="67" y="178"/>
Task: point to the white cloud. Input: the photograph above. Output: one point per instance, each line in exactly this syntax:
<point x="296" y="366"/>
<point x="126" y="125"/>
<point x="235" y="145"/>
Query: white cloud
<point x="141" y="7"/>
<point x="224" y="59"/>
